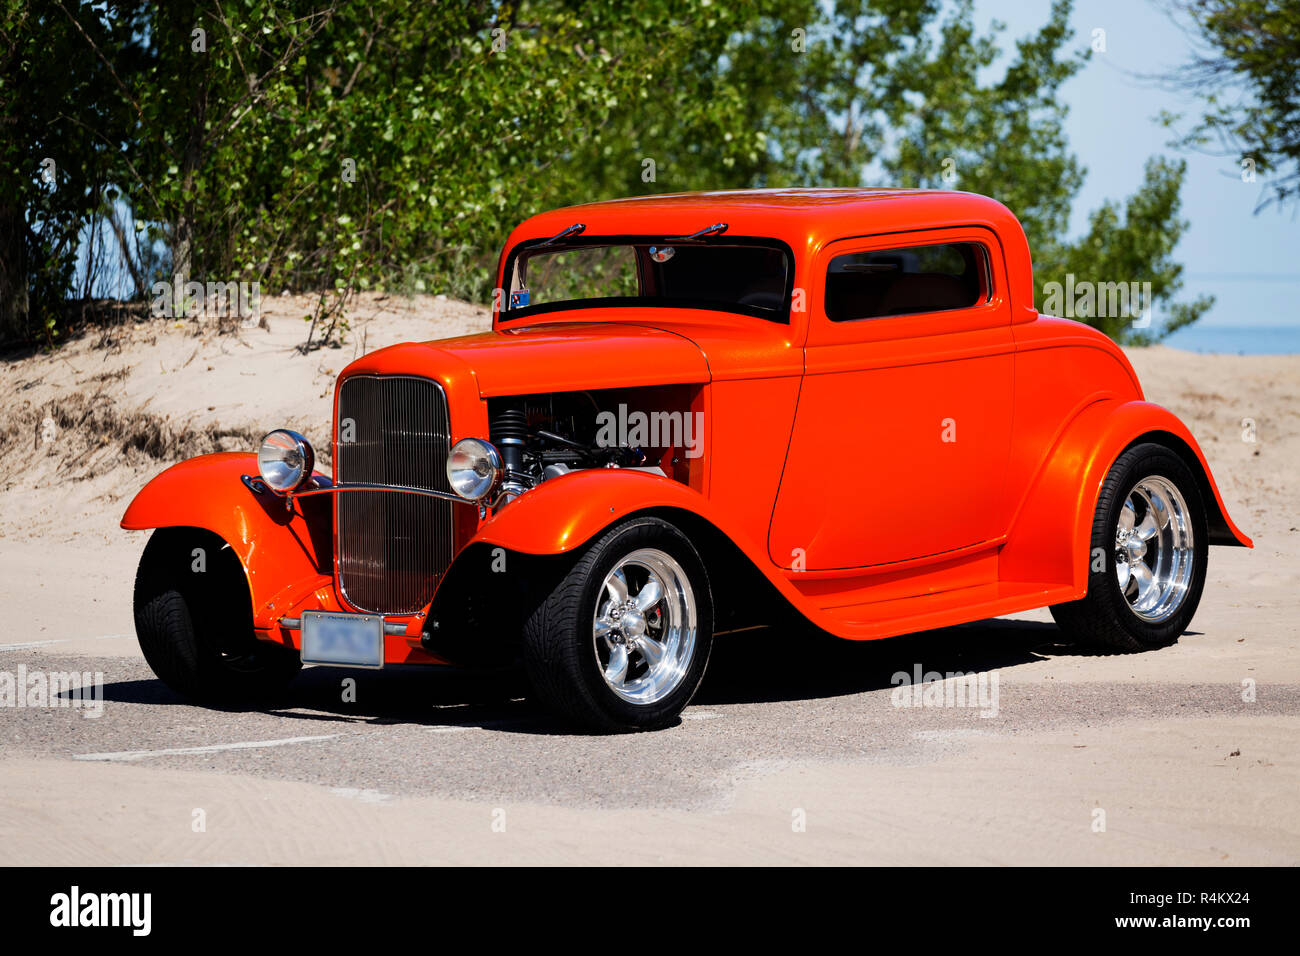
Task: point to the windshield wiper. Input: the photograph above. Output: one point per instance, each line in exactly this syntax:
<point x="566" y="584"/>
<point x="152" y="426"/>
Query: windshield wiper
<point x="716" y="229"/>
<point x="573" y="230"/>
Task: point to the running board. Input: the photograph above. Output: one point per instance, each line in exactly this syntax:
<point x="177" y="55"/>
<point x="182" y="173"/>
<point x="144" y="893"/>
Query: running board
<point x="923" y="612"/>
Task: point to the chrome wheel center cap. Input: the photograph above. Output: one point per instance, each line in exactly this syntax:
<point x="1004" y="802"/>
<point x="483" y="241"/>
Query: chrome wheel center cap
<point x="632" y="624"/>
<point x="1136" y="549"/>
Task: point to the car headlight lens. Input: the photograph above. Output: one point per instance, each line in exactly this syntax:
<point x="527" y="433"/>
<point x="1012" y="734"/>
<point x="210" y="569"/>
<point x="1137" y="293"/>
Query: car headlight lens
<point x="285" y="461"/>
<point x="473" y="468"/>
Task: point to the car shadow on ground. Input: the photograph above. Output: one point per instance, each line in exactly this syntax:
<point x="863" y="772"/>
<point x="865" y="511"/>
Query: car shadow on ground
<point x="395" y="695"/>
<point x="766" y="664"/>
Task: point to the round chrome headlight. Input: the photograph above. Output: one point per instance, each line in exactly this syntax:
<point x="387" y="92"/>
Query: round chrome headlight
<point x="473" y="468"/>
<point x="285" y="461"/>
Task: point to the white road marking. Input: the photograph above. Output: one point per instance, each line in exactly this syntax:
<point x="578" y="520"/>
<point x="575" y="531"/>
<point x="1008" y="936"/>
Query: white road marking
<point x="451" y="728"/>
<point x="364" y="795"/>
<point x="28" y="645"/>
<point x="699" y="715"/>
<point x="212" y="748"/>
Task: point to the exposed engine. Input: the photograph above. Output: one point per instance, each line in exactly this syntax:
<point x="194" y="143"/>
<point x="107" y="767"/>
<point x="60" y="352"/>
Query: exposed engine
<point x="541" y="437"/>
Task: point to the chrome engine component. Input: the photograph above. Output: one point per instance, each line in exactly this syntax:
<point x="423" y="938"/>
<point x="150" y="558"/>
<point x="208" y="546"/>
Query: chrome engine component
<point x="542" y="437"/>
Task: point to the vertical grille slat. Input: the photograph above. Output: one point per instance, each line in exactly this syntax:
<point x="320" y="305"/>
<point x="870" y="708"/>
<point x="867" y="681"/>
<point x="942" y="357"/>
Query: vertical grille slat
<point x="393" y="548"/>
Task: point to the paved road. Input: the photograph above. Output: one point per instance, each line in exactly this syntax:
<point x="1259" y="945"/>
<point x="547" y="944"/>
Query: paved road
<point x="416" y="732"/>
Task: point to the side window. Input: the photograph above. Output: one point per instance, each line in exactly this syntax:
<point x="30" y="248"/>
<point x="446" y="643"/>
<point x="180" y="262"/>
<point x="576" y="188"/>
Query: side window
<point x="938" y="278"/>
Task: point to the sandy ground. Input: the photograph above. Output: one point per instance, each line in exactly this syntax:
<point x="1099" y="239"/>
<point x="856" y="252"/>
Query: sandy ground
<point x="810" y="765"/>
<point x="975" y="807"/>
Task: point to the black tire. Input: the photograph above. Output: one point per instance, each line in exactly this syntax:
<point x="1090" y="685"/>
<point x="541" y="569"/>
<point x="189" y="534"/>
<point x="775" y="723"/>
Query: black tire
<point x="559" y="653"/>
<point x="1104" y="616"/>
<point x="194" y="621"/>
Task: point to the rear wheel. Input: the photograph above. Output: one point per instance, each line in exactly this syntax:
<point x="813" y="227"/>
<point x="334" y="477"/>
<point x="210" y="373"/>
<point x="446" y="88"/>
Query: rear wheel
<point x="1147" y="563"/>
<point x="622" y="641"/>
<point x="194" y="621"/>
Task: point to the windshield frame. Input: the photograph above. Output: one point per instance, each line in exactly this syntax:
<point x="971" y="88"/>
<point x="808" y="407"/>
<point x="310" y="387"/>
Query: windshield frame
<point x="780" y="316"/>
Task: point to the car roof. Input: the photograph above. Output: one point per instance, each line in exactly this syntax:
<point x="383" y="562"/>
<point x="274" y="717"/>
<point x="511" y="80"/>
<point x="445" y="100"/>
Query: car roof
<point x="805" y="219"/>
<point x="794" y="215"/>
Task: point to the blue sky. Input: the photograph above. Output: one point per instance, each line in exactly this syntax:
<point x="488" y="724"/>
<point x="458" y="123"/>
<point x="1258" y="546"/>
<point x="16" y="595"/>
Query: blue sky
<point x="1246" y="260"/>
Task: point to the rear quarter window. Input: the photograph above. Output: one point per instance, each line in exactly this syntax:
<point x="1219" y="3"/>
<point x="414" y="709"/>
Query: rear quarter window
<point x="906" y="281"/>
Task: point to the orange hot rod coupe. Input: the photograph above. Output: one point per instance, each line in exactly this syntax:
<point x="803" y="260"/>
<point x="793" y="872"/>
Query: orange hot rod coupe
<point x="693" y="412"/>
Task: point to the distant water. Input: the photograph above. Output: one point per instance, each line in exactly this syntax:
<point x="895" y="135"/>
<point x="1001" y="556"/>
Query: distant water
<point x="1237" y="339"/>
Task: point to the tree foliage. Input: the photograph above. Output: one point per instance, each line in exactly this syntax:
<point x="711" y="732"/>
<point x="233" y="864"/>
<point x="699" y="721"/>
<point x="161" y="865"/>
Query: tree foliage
<point x="62" y="133"/>
<point x="335" y="146"/>
<point x="1247" y="68"/>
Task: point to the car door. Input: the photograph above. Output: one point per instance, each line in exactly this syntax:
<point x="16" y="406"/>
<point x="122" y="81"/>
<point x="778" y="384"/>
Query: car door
<point x="903" y="427"/>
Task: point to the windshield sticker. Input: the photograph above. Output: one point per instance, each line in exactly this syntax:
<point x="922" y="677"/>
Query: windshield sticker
<point x="519" y="298"/>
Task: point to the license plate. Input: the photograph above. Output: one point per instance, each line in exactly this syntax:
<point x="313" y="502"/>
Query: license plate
<point x="342" y="640"/>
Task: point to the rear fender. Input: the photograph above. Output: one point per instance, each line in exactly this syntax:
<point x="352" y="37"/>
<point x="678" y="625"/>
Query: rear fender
<point x="1052" y="529"/>
<point x="286" y="554"/>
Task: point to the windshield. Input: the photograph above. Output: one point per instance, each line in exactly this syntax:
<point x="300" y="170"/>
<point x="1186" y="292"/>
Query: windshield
<point x="752" y="277"/>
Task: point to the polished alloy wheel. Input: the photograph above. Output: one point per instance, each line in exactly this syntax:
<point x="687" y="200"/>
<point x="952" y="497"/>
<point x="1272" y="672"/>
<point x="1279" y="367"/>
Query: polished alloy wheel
<point x="644" y="628"/>
<point x="1154" y="550"/>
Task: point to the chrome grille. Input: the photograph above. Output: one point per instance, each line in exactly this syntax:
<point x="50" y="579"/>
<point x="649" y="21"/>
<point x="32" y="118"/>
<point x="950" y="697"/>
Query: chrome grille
<point x="392" y="547"/>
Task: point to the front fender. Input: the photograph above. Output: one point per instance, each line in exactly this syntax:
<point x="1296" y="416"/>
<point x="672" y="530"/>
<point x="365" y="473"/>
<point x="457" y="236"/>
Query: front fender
<point x="285" y="554"/>
<point x="561" y="515"/>
<point x="1051" y="532"/>
<point x="564" y="513"/>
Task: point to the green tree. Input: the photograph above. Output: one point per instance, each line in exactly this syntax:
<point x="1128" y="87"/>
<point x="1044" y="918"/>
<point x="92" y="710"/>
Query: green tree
<point x="62" y="129"/>
<point x="334" y="146"/>
<point x="1247" y="67"/>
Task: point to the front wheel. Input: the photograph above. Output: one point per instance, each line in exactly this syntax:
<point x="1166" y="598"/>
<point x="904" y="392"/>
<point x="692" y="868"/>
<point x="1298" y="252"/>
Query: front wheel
<point x="622" y="641"/>
<point x="1148" y="555"/>
<point x="194" y="620"/>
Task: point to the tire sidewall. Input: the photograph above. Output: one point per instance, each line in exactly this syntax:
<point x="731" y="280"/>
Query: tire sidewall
<point x="1138" y="463"/>
<point x="607" y="552"/>
<point x="209" y="612"/>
